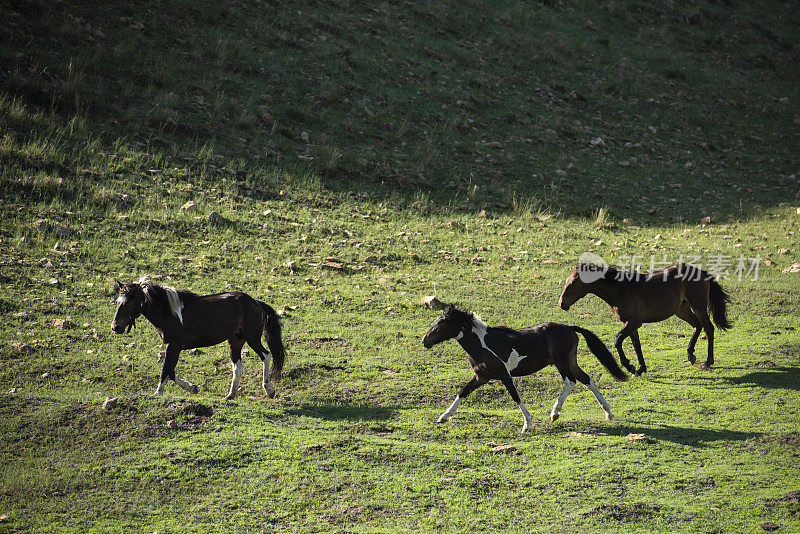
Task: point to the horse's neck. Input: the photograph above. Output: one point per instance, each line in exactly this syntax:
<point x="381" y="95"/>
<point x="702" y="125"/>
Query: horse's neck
<point x="153" y="314"/>
<point x="471" y="341"/>
<point x="606" y="290"/>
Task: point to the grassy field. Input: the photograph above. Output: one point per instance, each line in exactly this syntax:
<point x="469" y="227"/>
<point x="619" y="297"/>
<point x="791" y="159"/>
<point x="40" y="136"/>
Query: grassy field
<point x="344" y="161"/>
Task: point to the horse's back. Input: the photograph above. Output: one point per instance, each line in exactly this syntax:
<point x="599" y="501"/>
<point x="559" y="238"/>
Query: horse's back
<point x="549" y="336"/>
<point x="540" y="345"/>
<point x="237" y="299"/>
<point x="235" y="296"/>
<point x="658" y="295"/>
<point x="546" y="329"/>
<point x="230" y="306"/>
<point x="681" y="273"/>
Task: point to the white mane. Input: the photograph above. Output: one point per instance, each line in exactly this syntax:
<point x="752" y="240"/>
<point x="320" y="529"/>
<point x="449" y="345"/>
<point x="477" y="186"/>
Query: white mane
<point x="174" y="300"/>
<point x="175" y="304"/>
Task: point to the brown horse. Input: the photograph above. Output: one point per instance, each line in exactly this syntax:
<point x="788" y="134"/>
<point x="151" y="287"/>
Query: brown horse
<point x="682" y="290"/>
<point x="187" y="321"/>
<point x="501" y="353"/>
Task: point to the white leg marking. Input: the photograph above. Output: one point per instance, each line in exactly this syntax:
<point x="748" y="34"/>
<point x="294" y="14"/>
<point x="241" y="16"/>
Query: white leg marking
<point x="269" y="389"/>
<point x="159" y="390"/>
<point x="568" y="385"/>
<point x="526" y="414"/>
<point x="450" y="411"/>
<point x="188" y="386"/>
<point x="237" y="374"/>
<point x="603" y="402"/>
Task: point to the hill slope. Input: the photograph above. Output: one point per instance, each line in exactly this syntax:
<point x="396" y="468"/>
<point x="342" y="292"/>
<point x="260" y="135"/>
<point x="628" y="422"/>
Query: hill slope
<point x="344" y="160"/>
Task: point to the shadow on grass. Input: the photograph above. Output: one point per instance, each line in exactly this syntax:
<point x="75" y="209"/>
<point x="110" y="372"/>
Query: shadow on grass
<point x="770" y="378"/>
<point x="171" y="129"/>
<point x="692" y="437"/>
<point x="775" y="378"/>
<point x="695" y="437"/>
<point x="765" y="374"/>
<point x="343" y="412"/>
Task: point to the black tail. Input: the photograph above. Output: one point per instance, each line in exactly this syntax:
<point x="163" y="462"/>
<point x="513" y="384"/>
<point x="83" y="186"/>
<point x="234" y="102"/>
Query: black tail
<point x="718" y="305"/>
<point x="602" y="353"/>
<point x="272" y="329"/>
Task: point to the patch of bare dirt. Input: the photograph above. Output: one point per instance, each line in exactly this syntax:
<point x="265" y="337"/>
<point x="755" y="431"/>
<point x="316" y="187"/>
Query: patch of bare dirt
<point x="312" y="369"/>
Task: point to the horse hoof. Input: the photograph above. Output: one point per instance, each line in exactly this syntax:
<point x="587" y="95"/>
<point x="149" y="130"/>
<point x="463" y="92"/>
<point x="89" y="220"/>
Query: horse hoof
<point x="271" y="393"/>
<point x="640" y="371"/>
<point x="704" y="367"/>
<point x="195" y="389"/>
<point x="442" y="419"/>
<point x="609" y="416"/>
<point x="553" y="417"/>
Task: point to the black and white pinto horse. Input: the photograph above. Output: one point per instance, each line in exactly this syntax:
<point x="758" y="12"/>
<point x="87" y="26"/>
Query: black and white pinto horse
<point x="187" y="321"/>
<point x="500" y="353"/>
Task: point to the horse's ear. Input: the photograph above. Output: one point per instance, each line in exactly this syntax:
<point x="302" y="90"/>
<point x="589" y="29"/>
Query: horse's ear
<point x="450" y="308"/>
<point x="117" y="286"/>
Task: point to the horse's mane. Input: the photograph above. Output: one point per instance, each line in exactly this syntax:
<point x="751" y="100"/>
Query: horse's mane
<point x="159" y="296"/>
<point x="612" y="273"/>
<point x="615" y="274"/>
<point x="465" y="317"/>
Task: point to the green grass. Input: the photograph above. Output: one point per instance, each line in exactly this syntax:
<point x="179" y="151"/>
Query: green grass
<point x="433" y="149"/>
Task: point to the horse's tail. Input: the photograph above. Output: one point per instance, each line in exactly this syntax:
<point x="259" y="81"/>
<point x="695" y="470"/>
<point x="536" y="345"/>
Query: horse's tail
<point x="602" y="353"/>
<point x="718" y="305"/>
<point x="273" y="332"/>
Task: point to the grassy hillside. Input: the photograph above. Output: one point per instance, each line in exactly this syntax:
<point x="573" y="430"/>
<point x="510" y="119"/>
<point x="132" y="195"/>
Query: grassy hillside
<point x="345" y="160"/>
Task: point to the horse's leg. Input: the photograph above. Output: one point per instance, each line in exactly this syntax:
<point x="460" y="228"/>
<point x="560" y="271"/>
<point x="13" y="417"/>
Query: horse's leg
<point x="185" y="384"/>
<point x="468" y="388"/>
<point x="589" y="383"/>
<point x="236" y="344"/>
<point x="685" y="313"/>
<point x="602" y="400"/>
<point x="569" y="384"/>
<point x="586" y="380"/>
<point x="564" y="366"/>
<point x="168" y="370"/>
<point x="638" y="348"/>
<point x="266" y="357"/>
<point x="625" y="332"/>
<point x="508" y="382"/>
<point x="705" y="321"/>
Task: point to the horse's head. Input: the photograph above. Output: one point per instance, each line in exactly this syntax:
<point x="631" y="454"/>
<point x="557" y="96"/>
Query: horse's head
<point x="574" y="290"/>
<point x="449" y="324"/>
<point x="129" y="306"/>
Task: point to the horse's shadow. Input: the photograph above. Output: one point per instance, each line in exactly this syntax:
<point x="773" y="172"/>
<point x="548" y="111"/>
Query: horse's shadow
<point x="694" y="437"/>
<point x="771" y="378"/>
<point x="687" y="436"/>
<point x="345" y="412"/>
<point x="768" y="376"/>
